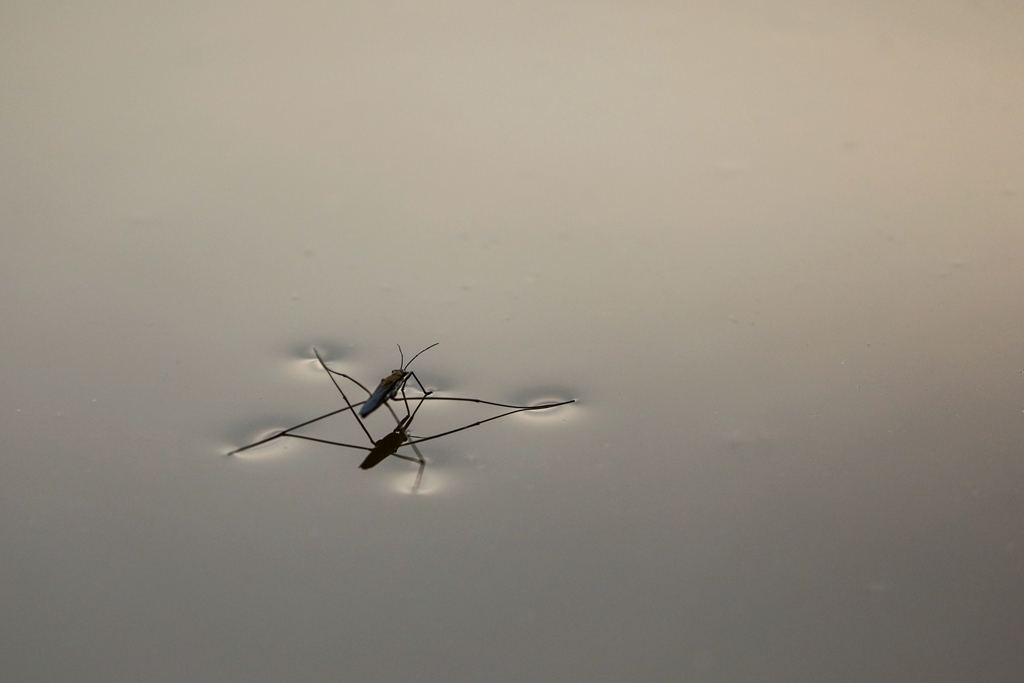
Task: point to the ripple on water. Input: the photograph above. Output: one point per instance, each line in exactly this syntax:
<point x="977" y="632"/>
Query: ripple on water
<point x="434" y="482"/>
<point x="272" y="450"/>
<point x="545" y="396"/>
<point x="301" y="362"/>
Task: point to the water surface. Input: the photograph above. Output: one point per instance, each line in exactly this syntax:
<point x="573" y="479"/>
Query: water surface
<point x="774" y="253"/>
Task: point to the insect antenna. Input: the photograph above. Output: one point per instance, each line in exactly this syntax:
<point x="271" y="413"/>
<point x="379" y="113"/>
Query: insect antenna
<point x="405" y="366"/>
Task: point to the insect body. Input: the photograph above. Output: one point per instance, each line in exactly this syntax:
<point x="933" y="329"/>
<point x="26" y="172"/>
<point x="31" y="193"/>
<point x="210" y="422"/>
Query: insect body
<point x="392" y="384"/>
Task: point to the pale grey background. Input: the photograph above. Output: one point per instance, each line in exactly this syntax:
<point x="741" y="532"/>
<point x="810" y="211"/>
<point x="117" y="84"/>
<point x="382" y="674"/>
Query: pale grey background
<point x="773" y="248"/>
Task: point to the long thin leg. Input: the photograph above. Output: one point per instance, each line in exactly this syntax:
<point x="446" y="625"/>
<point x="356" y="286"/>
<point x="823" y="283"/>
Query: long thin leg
<point x="286" y="431"/>
<point x="413" y="375"/>
<point x="510" y="412"/>
<point x="431" y="397"/>
<point x="333" y="443"/>
<point x="406" y="399"/>
<point x="415" y="448"/>
<point x="338" y="387"/>
<point x="419" y="474"/>
<point x="351" y="379"/>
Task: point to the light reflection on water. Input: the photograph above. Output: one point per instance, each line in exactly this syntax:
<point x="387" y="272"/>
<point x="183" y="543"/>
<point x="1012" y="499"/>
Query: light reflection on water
<point x="272" y="450"/>
<point x="434" y="484"/>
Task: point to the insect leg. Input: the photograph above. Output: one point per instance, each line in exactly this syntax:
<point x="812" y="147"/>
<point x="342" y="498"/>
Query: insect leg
<point x="496" y="417"/>
<point x="413" y="375"/>
<point x="415" y="448"/>
<point x="333" y="443"/>
<point x="406" y="365"/>
<point x="286" y="432"/>
<point x="340" y="391"/>
<point x="419" y="475"/>
<point x="351" y="379"/>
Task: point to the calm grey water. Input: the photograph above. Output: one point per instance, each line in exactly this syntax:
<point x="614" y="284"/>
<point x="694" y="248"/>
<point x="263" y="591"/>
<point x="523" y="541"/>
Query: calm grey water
<point x="773" y="250"/>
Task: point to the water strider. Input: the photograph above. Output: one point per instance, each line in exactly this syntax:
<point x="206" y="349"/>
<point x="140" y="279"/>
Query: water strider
<point x="388" y="445"/>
